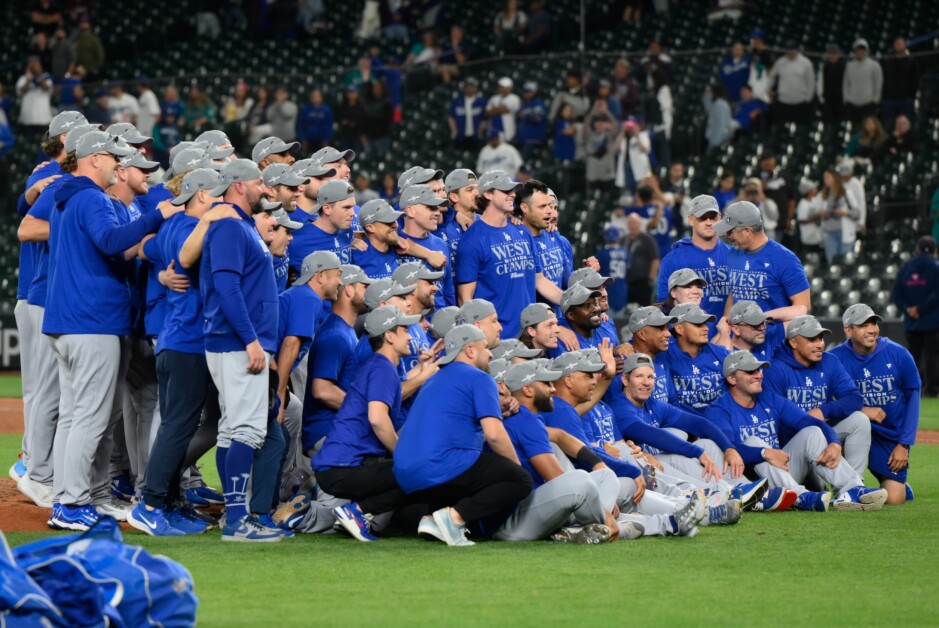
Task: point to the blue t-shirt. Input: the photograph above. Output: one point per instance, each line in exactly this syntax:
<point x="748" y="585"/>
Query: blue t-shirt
<point x="443" y="436"/>
<point x="184" y="326"/>
<point x="451" y="232"/>
<point x="529" y="438"/>
<point x="697" y="381"/>
<point x="239" y="293"/>
<point x="501" y="261"/>
<point x="312" y="238"/>
<point x="664" y="387"/>
<point x="614" y="261"/>
<point x="38" y="265"/>
<point x="769" y="276"/>
<point x="724" y="197"/>
<point x="352" y="437"/>
<point x="644" y="425"/>
<point x="551" y="253"/>
<point x="331" y="358"/>
<point x="281" y="271"/>
<point x="711" y="264"/>
<point x="662" y="233"/>
<point x="602" y="423"/>
<point x="565" y="148"/>
<point x="418" y="343"/>
<point x="377" y="265"/>
<point x="532" y="119"/>
<point x="30" y="251"/>
<point x="735" y="73"/>
<point x="446" y="293"/>
<point x="301" y="312"/>
<point x="315" y="123"/>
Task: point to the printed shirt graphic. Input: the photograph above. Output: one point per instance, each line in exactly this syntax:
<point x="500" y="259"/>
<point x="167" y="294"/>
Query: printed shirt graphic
<point x="770" y="276"/>
<point x="710" y="264"/>
<point x="697" y="381"/>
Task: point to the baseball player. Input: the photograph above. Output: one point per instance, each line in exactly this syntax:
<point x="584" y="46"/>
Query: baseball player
<point x="514" y="351"/>
<point x="540" y="330"/>
<point x="421" y="207"/>
<point x="591" y="279"/>
<point x="693" y="363"/>
<point x="534" y="205"/>
<point x="651" y="336"/>
<point x="303" y="209"/>
<point x="462" y="194"/>
<point x="273" y="150"/>
<point x="482" y="314"/>
<point x="754" y="332"/>
<point x="379" y="220"/>
<point x="338" y="161"/>
<point x="886" y="376"/>
<point x="580" y="307"/>
<point x="332" y="230"/>
<point x="443" y="321"/>
<point x="418" y="175"/>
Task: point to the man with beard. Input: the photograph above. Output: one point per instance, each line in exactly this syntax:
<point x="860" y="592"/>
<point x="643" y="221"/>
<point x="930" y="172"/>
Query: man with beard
<point x="482" y="314"/>
<point x="581" y="308"/>
<point x="273" y="150"/>
<point x="534" y="207"/>
<point x="753" y="331"/>
<point x="286" y="188"/>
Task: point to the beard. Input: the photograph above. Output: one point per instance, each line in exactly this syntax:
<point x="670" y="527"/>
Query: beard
<point x="544" y="403"/>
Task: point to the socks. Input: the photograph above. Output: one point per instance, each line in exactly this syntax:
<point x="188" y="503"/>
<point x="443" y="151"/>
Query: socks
<point x="220" y="454"/>
<point x="238" y="464"/>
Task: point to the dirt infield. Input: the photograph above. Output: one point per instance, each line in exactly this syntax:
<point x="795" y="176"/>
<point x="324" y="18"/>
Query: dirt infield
<point x="11" y="416"/>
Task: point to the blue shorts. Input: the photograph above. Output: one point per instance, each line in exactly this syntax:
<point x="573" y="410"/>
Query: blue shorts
<point x="877" y="460"/>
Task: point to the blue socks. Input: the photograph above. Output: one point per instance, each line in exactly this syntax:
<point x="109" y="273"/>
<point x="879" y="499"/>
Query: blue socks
<point x="238" y="464"/>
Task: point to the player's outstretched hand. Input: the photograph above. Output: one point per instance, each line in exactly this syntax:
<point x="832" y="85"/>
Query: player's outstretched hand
<point x="711" y="472"/>
<point x="591" y="262"/>
<point x="830" y="456"/>
<point x="640" y="489"/>
<point x="568" y="339"/>
<point x="877" y="415"/>
<point x="168" y="209"/>
<point x="606" y="354"/>
<point x="359" y="245"/>
<point x="899" y="459"/>
<point x="436" y="259"/>
<point x="176" y="282"/>
<point x="223" y="210"/>
<point x="733" y="463"/>
<point x="256" y="358"/>
<point x="776" y="457"/>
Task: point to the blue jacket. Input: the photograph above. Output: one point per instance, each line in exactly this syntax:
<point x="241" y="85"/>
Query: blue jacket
<point x="918" y="284"/>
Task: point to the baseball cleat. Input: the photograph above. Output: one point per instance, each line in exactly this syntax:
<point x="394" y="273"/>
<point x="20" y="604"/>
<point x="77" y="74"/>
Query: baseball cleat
<point x="55" y="512"/>
<point x="684" y="522"/>
<point x="185" y="522"/>
<point x="630" y="530"/>
<point x="113" y="507"/>
<point x="726" y="514"/>
<point x="152" y="522"/>
<point x="427" y="529"/>
<point x="18" y="469"/>
<point x="453" y="534"/>
<point x="813" y="501"/>
<point x="590" y="534"/>
<point x="749" y="494"/>
<point x="250" y="530"/>
<point x="350" y="517"/>
<point x="77" y="518"/>
<point x="203" y="496"/>
<point x="41" y="494"/>
<point x="776" y="498"/>
<point x="290" y="513"/>
<point x="269" y="522"/>
<point x="122" y="487"/>
<point x="909" y="493"/>
<point x="861" y="498"/>
<point x="700" y="501"/>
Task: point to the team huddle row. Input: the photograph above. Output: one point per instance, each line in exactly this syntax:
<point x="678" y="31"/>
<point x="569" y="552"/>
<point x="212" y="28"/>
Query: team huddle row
<point x="466" y="381"/>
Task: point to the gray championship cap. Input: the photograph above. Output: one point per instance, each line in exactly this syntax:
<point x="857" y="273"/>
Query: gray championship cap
<point x="457" y="338"/>
<point x="498" y="369"/>
<point x="71" y="139"/>
<point x="333" y="192"/>
<point x="747" y="312"/>
<point x="316" y="262"/>
<point x="685" y="277"/>
<point x="310" y="168"/>
<point x="589" y="278"/>
<point x="330" y="155"/>
<point x="577" y="295"/>
<point x="409" y="274"/>
<point x="576" y="361"/>
<point x="189" y="159"/>
<point x="525" y="373"/>
<point x="806" y="326"/>
<point x="378" y="210"/>
<point x="384" y="289"/>
<point x="459" y="179"/>
<point x="419" y="195"/>
<point x="649" y="316"/>
<point x="215" y="139"/>
<point x="386" y="318"/>
<point x="128" y="132"/>
<point x="498" y="180"/>
<point x="271" y="146"/>
<point x="236" y="171"/>
<point x="636" y="360"/>
<point x="100" y="142"/>
<point x="270" y="206"/>
<point x="739" y="214"/>
<point x="476" y="310"/>
<point x="65" y="121"/>
<point x="704" y="204"/>
<point x="742" y="361"/>
<point x="511" y="348"/>
<point x="198" y="179"/>
<point x="691" y="313"/>
<point x="858" y="314"/>
<point x="417" y="175"/>
<point x="283" y="220"/>
<point x="537" y="313"/>
<point x="444" y="320"/>
<point x="353" y="274"/>
<point x="137" y="160"/>
<point x="281" y="174"/>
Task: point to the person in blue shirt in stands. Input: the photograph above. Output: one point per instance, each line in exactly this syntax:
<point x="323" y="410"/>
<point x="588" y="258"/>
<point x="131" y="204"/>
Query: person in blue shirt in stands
<point x="465" y="115"/>
<point x="886" y="375"/>
<point x="315" y="123"/>
<point x="614" y="260"/>
<point x="532" y="117"/>
<point x="693" y="363"/>
<point x="656" y="219"/>
<point x="916" y="293"/>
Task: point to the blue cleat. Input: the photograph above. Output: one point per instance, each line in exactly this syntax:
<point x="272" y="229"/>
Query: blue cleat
<point x="909" y="493"/>
<point x="122" y="487"/>
<point x="749" y="494"/>
<point x="18" y="470"/>
<point x="185" y="522"/>
<point x="861" y="498"/>
<point x="153" y="522"/>
<point x="56" y="508"/>
<point x="77" y="518"/>
<point x="290" y="513"/>
<point x="813" y="501"/>
<point x="250" y="530"/>
<point x="268" y="521"/>
<point x="776" y="499"/>
<point x="204" y="496"/>
<point x="350" y="517"/>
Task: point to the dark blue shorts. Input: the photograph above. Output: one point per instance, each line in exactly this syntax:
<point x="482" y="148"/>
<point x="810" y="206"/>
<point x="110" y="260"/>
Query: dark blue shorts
<point x="877" y="461"/>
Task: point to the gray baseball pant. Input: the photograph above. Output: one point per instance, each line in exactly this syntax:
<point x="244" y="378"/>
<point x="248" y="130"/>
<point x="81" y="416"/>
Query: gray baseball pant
<point x="242" y="397"/>
<point x="140" y="408"/>
<point x="43" y="413"/>
<point x="320" y="517"/>
<point x="30" y="337"/>
<point x="854" y="432"/>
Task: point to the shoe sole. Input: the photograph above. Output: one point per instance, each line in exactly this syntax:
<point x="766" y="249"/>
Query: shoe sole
<point x="872" y="504"/>
<point x="788" y="499"/>
<point x="14" y="474"/>
<point x="751" y="500"/>
<point x="430" y="532"/>
<point x="24" y="487"/>
<point x="286" y="512"/>
<point x="350" y="526"/>
<point x="630" y="530"/>
<point x="244" y="539"/>
<point x="442" y="526"/>
<point x="59" y="524"/>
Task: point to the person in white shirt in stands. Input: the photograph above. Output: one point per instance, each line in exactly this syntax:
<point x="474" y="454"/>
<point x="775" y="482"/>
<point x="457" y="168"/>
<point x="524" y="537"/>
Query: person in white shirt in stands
<point x="810" y="230"/>
<point x="122" y="106"/>
<point x="501" y="109"/>
<point x="794" y="79"/>
<point x="149" y="106"/>
<point x="498" y="155"/>
<point x="34" y="89"/>
<point x="854" y="192"/>
<point x="633" y="163"/>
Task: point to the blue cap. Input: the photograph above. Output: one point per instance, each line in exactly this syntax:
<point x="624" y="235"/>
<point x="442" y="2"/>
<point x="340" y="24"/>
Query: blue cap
<point x="612" y="234"/>
<point x="757" y="33"/>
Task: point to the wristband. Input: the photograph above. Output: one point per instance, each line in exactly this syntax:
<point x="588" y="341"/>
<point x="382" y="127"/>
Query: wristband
<point x="588" y="457"/>
<point x="763" y="453"/>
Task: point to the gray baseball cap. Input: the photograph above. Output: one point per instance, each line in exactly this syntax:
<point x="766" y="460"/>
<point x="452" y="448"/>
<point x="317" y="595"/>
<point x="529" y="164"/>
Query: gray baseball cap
<point x="457" y="338"/>
<point x="458" y="179"/>
<point x="333" y="192"/>
<point x="497" y="180"/>
<point x="589" y="278"/>
<point x="384" y="289"/>
<point x="739" y="214"/>
<point x="409" y="273"/>
<point x="198" y="179"/>
<point x="77" y="132"/>
<point x="386" y="318"/>
<point x="525" y="373"/>
<point x="577" y="295"/>
<point x="512" y="348"/>
<point x="691" y="313"/>
<point x="378" y="210"/>
<point x="330" y="155"/>
<point x="128" y="132"/>
<point x="742" y="361"/>
<point x="271" y="146"/>
<point x="576" y="361"/>
<point x="498" y="368"/>
<point x="649" y="316"/>
<point x="65" y="121"/>
<point x="417" y="175"/>
<point x="685" y="277"/>
<point x="283" y="220"/>
<point x="235" y="171"/>
<point x="316" y="262"/>
<point x="99" y="141"/>
<point x="444" y="320"/>
<point x="476" y="310"/>
<point x="806" y="326"/>
<point x="858" y="314"/>
<point x="353" y="274"/>
<point x="310" y="168"/>
<point x="537" y="313"/>
<point x="137" y="160"/>
<point x="419" y="195"/>
<point x="704" y="204"/>
<point x="190" y="159"/>
<point x="281" y="174"/>
<point x="748" y="312"/>
<point x="215" y="139"/>
<point x="270" y="206"/>
<point x="636" y="360"/>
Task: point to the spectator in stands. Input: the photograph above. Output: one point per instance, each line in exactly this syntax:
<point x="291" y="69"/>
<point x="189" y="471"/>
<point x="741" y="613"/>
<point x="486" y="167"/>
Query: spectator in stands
<point x="735" y="71"/>
<point x="199" y="114"/>
<point x="835" y="208"/>
<point x="7" y="142"/>
<point x="658" y="111"/>
<point x="902" y="141"/>
<point x="752" y="114"/>
<point x="653" y="208"/>
<point x="363" y="190"/>
<point x="424" y="52"/>
<point x="501" y="109"/>
<point x="720" y="124"/>
<point x="97" y="112"/>
<point x="605" y="92"/>
<point x="509" y="26"/>
<point x="572" y="94"/>
<point x="207" y="22"/>
<point x="46" y="17"/>
<point x="235" y="112"/>
<point x="233" y="16"/>
<point x="89" y="53"/>
<point x="656" y="59"/>
<point x="350" y="119"/>
<point x="379" y="115"/>
<point x="807" y="216"/>
<point x="863" y="81"/>
<point x="39" y="47"/>
<point x="868" y="141"/>
<point x="453" y="54"/>
<point x="389" y="188"/>
<point x="675" y="190"/>
<point x="148" y="106"/>
<point x="538" y="34"/>
<point x="258" y="126"/>
<point x="761" y="62"/>
<point x="752" y="191"/>
<point x="465" y="117"/>
<point x="532" y="119"/>
<point x="726" y="191"/>
<point x="831" y="84"/>
<point x="165" y="137"/>
<point x="363" y="74"/>
<point x="794" y="80"/>
<point x="122" y="106"/>
<point x="643" y="261"/>
<point x="901" y="82"/>
<point x="854" y="192"/>
<point x="632" y="12"/>
<point x="312" y="17"/>
<point x="69" y="90"/>
<point x="915" y="294"/>
<point x="564" y="145"/>
<point x="600" y="136"/>
<point x="172" y="103"/>
<point x="498" y="155"/>
<point x="625" y="88"/>
<point x="634" y="161"/>
<point x="282" y="115"/>
<point x="63" y="54"/>
<point x="393" y="22"/>
<point x="778" y="187"/>
<point x="34" y="89"/>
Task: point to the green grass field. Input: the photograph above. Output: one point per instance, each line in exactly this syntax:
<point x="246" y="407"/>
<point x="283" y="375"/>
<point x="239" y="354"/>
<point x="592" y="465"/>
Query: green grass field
<point x="770" y="569"/>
